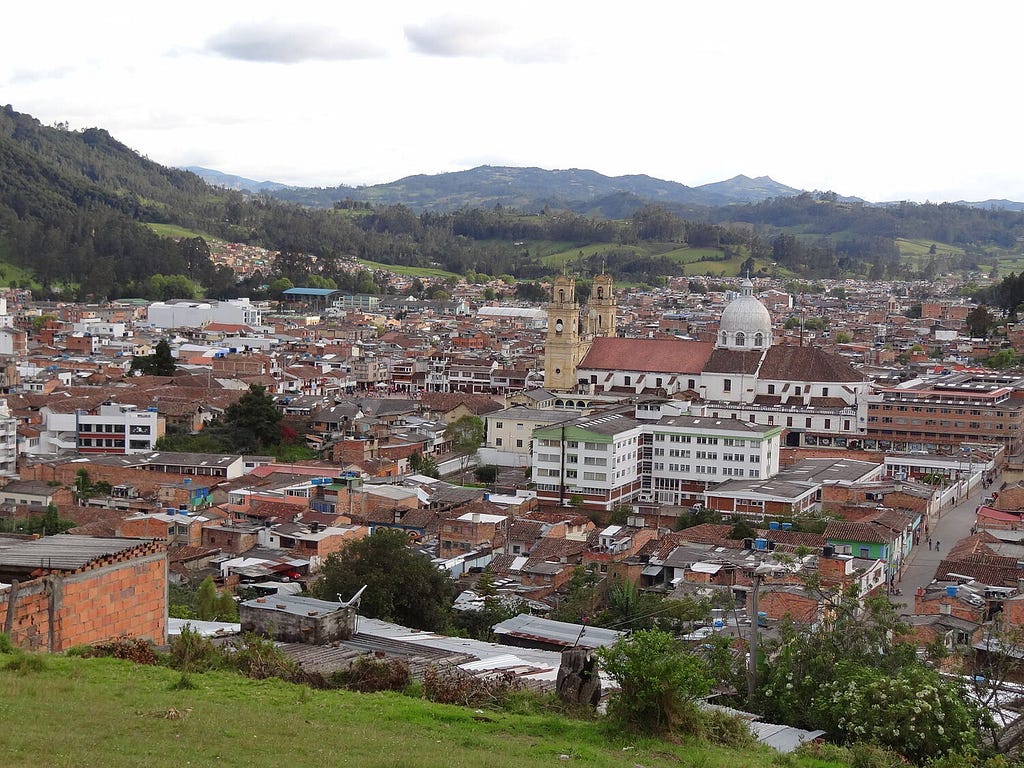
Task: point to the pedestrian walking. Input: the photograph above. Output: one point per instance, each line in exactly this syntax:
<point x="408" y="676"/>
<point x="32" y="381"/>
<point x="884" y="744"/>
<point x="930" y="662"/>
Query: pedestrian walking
<point x="929" y="544"/>
<point x="937" y="545"/>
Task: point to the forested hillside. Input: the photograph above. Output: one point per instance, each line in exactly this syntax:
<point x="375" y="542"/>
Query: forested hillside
<point x="73" y="205"/>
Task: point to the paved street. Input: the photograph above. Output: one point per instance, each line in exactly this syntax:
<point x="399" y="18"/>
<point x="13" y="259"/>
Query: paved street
<point x="952" y="525"/>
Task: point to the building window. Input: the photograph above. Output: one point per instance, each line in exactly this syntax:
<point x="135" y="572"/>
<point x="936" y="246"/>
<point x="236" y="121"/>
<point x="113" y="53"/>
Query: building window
<point x="519" y="443"/>
<point x="758" y="339"/>
<point x="741" y="339"/>
<point x="727" y="385"/>
<point x="497" y="441"/>
<point x="771" y="389"/>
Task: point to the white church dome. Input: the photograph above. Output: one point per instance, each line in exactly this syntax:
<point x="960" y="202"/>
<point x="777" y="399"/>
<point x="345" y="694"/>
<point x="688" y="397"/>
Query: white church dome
<point x="745" y="322"/>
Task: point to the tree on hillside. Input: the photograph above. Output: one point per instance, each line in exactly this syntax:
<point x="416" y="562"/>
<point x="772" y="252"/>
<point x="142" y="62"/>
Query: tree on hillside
<point x="160" y="363"/>
<point x="423" y="465"/>
<point x="980" y="322"/>
<point x="251" y="424"/>
<point x="402" y="585"/>
<point x="465" y="434"/>
<point x="850" y="675"/>
<point x="659" y="681"/>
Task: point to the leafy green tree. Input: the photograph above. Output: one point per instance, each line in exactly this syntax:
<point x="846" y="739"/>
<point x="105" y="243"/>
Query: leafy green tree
<point x="424" y="465"/>
<point x="279" y="286"/>
<point x="850" y="675"/>
<point x="402" y="585"/>
<point x="487" y="473"/>
<point x="465" y="434"/>
<point x="160" y="363"/>
<point x="211" y="605"/>
<point x="742" y="529"/>
<point x="659" y="681"/>
<point x="980" y="322"/>
<point x="206" y="600"/>
<point x="1004" y="358"/>
<point x="51" y="521"/>
<point x="251" y="424"/>
<point x="808" y="657"/>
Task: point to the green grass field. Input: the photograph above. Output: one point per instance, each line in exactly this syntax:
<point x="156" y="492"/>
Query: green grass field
<point x="12" y="273"/>
<point x="398" y="269"/>
<point x="104" y="713"/>
<point x="173" y="230"/>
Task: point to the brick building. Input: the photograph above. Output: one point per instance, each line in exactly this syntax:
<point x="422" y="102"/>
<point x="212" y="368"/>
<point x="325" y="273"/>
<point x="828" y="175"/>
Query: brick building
<point x="947" y="411"/>
<point x="61" y="591"/>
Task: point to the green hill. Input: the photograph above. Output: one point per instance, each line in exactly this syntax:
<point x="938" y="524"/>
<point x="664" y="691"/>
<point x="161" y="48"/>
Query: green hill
<point x="85" y="216"/>
<point x="107" y="713"/>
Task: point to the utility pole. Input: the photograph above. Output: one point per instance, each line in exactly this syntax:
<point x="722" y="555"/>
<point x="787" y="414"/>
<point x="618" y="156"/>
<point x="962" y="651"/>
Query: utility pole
<point x="755" y="629"/>
<point x="752" y="640"/>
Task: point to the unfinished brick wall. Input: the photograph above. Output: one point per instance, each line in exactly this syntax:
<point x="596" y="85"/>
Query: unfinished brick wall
<point x="125" y="594"/>
<point x="145" y="481"/>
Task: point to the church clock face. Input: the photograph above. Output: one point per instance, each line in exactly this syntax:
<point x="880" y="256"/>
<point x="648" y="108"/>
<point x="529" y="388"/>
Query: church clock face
<point x="558" y="326"/>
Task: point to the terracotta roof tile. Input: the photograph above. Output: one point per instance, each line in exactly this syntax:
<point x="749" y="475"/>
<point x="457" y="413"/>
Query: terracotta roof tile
<point x="787" y="362"/>
<point x="734" y="361"/>
<point x="653" y="355"/>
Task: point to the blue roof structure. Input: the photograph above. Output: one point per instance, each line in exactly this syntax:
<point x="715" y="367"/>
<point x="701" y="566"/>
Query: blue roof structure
<point x="310" y="291"/>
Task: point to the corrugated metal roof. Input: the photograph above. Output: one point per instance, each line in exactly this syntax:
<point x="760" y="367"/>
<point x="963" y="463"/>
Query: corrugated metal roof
<point x="562" y="633"/>
<point x="63" y="552"/>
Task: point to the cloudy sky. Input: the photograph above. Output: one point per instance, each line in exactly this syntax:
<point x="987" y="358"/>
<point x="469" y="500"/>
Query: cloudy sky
<point x="883" y="100"/>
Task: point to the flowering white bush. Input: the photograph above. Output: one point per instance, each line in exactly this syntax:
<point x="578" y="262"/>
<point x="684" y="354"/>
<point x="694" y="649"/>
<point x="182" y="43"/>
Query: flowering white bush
<point x="915" y="712"/>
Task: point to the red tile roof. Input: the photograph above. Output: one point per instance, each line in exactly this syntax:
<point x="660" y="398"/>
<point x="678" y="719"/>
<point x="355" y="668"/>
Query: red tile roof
<point x="734" y="361"/>
<point x="648" y="355"/>
<point x="788" y="362"/>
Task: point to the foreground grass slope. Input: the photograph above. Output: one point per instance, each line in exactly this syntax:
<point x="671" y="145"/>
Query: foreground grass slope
<point x="103" y="712"/>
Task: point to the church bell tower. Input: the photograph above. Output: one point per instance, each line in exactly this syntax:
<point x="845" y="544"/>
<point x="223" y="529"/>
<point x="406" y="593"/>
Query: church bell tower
<point x="603" y="305"/>
<point x="563" y="348"/>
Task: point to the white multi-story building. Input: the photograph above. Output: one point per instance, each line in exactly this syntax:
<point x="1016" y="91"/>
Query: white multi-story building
<point x="685" y="455"/>
<point x="114" y="428"/>
<point x="8" y="442"/>
<point x="655" y="455"/>
<point x="196" y="314"/>
<point x="509" y="434"/>
<point x="593" y="459"/>
<point x="96" y="327"/>
<point x="110" y="428"/>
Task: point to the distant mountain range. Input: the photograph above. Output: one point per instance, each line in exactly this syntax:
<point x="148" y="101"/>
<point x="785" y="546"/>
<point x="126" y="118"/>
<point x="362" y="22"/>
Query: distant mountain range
<point x="522" y="188"/>
<point x="230" y="181"/>
<point x="529" y="189"/>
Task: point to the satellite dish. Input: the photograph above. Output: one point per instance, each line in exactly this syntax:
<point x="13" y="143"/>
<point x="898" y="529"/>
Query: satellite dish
<point x="354" y="602"/>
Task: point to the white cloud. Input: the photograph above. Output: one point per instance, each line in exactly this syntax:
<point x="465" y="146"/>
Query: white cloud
<point x="465" y="36"/>
<point x="284" y="43"/>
